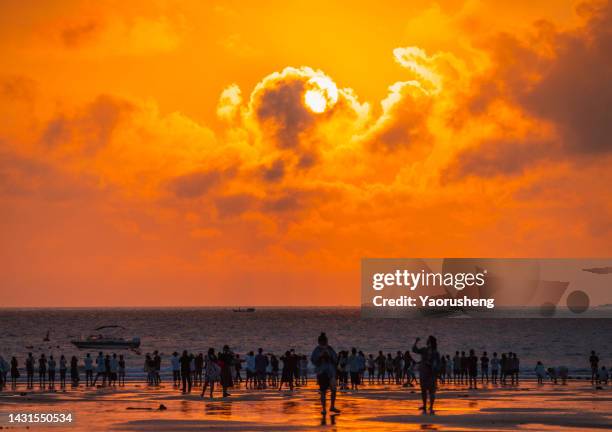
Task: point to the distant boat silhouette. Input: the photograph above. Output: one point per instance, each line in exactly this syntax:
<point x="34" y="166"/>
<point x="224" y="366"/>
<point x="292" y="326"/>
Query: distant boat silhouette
<point x="245" y="310"/>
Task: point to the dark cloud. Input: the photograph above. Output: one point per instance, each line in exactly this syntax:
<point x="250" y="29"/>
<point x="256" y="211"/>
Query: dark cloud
<point x="280" y="108"/>
<point x="101" y="118"/>
<point x="92" y="128"/>
<point x="562" y="77"/>
<point x="494" y="158"/>
<point x="22" y="176"/>
<point x="274" y="172"/>
<point x="234" y="205"/>
<point x="405" y="123"/>
<point x="74" y="35"/>
<point x="288" y="202"/>
<point x="18" y="87"/>
<point x="57" y="132"/>
<point x="195" y="184"/>
<point x="574" y="91"/>
<point x="307" y="160"/>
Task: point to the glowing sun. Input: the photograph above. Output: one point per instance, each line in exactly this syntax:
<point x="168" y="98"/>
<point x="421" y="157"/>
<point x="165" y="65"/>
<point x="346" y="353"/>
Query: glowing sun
<point x="322" y="94"/>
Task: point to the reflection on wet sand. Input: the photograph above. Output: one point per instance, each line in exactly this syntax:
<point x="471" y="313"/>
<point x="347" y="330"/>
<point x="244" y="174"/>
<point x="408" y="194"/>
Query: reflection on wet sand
<point x="375" y="408"/>
<point x="218" y="408"/>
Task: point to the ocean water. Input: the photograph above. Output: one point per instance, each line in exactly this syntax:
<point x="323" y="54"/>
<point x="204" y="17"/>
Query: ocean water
<point x="555" y="342"/>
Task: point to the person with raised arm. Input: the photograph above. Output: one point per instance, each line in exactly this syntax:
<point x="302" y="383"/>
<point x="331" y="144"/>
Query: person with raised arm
<point x="428" y="366"/>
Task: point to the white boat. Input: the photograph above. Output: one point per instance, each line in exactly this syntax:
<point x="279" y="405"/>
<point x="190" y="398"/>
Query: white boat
<point x="101" y="341"/>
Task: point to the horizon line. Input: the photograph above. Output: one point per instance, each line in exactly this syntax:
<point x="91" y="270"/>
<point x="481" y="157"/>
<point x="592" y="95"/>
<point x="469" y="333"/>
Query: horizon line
<point x="180" y="307"/>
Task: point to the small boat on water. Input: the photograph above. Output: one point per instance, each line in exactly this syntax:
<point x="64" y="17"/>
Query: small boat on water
<point x="245" y="310"/>
<point x="100" y="341"/>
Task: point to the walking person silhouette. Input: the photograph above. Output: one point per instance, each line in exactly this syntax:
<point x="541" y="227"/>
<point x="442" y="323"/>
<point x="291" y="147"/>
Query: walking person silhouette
<point x="324" y="358"/>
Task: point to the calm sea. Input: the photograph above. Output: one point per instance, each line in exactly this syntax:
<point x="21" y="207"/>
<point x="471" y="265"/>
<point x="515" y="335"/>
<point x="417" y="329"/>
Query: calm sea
<point x="555" y="342"/>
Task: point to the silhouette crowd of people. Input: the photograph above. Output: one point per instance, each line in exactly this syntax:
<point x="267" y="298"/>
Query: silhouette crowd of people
<point x="334" y="371"/>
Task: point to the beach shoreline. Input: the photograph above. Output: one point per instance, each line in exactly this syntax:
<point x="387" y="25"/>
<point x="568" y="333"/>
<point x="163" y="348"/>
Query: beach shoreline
<point x="578" y="405"/>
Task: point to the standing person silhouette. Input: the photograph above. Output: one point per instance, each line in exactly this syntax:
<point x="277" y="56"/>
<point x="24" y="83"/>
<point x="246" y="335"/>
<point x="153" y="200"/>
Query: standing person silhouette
<point x="42" y="371"/>
<point x="15" y="372"/>
<point x="176" y="369"/>
<point x="456" y="367"/>
<point x="156" y="368"/>
<point x="199" y="368"/>
<point x="464" y="368"/>
<point x="503" y="364"/>
<point x="409" y="369"/>
<point x="354" y="363"/>
<point x="51" y="370"/>
<point x="324" y="359"/>
<point x="287" y="373"/>
<point x="88" y="370"/>
<point x="30" y="370"/>
<point x="226" y="360"/>
<point x="428" y="369"/>
<point x="516" y="368"/>
<point x="295" y="363"/>
<point x="484" y="367"/>
<point x="389" y="367"/>
<point x="371" y="365"/>
<point x="540" y="372"/>
<point x="74" y="371"/>
<point x="472" y="362"/>
<point x="100" y="369"/>
<point x="121" y="370"/>
<point x="449" y="368"/>
<point x="238" y="368"/>
<point x="594" y="361"/>
<point x="185" y="362"/>
<point x="494" y="368"/>
<point x="380" y="366"/>
<point x="63" y="367"/>
<point x="107" y="370"/>
<point x="212" y="372"/>
<point x="261" y="363"/>
<point x="114" y="369"/>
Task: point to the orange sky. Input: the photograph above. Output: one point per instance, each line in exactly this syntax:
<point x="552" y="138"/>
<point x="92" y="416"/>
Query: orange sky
<point x="250" y="153"/>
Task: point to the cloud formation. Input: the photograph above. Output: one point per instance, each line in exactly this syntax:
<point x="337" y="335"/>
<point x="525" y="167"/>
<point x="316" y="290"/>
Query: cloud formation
<point x="283" y="174"/>
<point x="556" y="77"/>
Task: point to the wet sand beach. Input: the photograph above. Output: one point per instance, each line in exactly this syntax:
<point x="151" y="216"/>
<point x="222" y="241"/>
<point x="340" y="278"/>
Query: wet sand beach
<point x="575" y="406"/>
